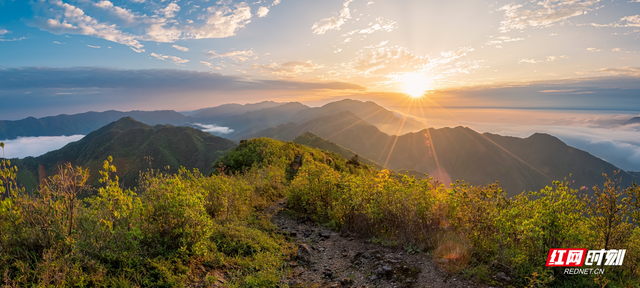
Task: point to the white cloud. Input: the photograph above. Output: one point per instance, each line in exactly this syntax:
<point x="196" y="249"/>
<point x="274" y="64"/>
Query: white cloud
<point x="221" y="22"/>
<point x="97" y="47"/>
<point x="238" y="56"/>
<point x="170" y="11"/>
<point x="627" y="21"/>
<point x="213" y="128"/>
<point x="184" y="49"/>
<point x="210" y="65"/>
<point x="528" y="60"/>
<point x="629" y="71"/>
<point x="123" y="14"/>
<point x="502" y="39"/>
<point x="275" y="2"/>
<point x="56" y="42"/>
<point x="218" y="21"/>
<point x="549" y="59"/>
<point x="616" y="49"/>
<point x="3" y="31"/>
<point x="174" y="59"/>
<point x="263" y="11"/>
<point x="593" y="49"/>
<point x="381" y="24"/>
<point x="385" y="60"/>
<point x="335" y="22"/>
<point x="554" y="58"/>
<point x="288" y="68"/>
<point x="73" y="20"/>
<point x="36" y="146"/>
<point x="545" y="13"/>
<point x="377" y="46"/>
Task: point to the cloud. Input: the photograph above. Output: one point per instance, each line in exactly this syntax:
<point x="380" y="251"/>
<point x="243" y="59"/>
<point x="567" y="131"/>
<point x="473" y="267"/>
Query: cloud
<point x="549" y="59"/>
<point x="381" y="24"/>
<point x="221" y="22"/>
<point x="36" y="146"/>
<point x="125" y="15"/>
<point x="97" y="47"/>
<point x="238" y="56"/>
<point x="554" y="58"/>
<point x="174" y="59"/>
<point x="615" y="144"/>
<point x="170" y="11"/>
<point x="627" y="21"/>
<point x="87" y="78"/>
<point x="502" y="39"/>
<point x="335" y="22"/>
<point x="208" y="64"/>
<point x="275" y="2"/>
<point x="288" y="68"/>
<point x="629" y="71"/>
<point x="56" y="42"/>
<point x="184" y="49"/>
<point x="213" y="128"/>
<point x="385" y="60"/>
<point x="592" y="49"/>
<point x="121" y="25"/>
<point x="68" y="19"/>
<point x="4" y="31"/>
<point x="541" y="14"/>
<point x="617" y="92"/>
<point x="263" y="11"/>
<point x="33" y="91"/>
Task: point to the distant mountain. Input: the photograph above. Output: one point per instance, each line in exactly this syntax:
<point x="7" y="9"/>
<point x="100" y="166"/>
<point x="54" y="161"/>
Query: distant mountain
<point x="315" y="141"/>
<point x="460" y="153"/>
<point x="249" y="123"/>
<point x="254" y="121"/>
<point x="219" y="113"/>
<point x="129" y="142"/>
<point x="633" y="121"/>
<point x="83" y="123"/>
<point x="368" y="111"/>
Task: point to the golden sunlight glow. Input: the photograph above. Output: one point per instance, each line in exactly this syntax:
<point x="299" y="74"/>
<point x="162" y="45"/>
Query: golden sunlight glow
<point x="415" y="84"/>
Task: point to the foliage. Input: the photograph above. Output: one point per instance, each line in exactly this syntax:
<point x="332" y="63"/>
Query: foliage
<point x="176" y="230"/>
<point x="188" y="229"/>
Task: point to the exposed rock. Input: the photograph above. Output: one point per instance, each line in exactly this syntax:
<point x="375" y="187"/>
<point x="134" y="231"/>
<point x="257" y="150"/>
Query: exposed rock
<point x="304" y="254"/>
<point x="503" y="276"/>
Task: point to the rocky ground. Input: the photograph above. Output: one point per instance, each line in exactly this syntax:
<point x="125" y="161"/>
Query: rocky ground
<point x="328" y="259"/>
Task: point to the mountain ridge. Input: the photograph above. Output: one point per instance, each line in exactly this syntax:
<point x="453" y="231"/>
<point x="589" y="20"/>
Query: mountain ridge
<point x="129" y="142"/>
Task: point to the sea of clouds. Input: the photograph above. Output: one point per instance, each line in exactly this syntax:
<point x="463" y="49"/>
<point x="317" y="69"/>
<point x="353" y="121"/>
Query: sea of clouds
<point x="36" y="146"/>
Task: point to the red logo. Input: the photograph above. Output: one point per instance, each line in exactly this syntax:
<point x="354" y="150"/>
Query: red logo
<point x="573" y="257"/>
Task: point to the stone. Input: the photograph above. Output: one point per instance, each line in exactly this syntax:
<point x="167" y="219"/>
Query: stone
<point x="304" y="253"/>
<point x="346" y="281"/>
<point x="387" y="269"/>
<point x="503" y="276"/>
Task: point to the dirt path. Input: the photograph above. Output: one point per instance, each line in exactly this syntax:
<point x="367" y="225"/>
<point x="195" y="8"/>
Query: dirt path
<point x="327" y="259"/>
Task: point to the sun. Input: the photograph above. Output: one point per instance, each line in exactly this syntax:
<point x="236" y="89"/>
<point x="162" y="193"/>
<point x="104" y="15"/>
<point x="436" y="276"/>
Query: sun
<point x="415" y="84"/>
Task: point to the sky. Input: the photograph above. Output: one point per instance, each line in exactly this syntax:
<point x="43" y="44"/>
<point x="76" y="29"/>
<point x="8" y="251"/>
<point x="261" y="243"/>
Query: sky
<point x="463" y="58"/>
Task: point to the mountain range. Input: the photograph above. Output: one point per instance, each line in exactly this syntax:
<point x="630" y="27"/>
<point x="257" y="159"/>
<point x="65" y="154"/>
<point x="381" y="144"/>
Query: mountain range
<point x="460" y="153"/>
<point x="348" y="127"/>
<point x="241" y="119"/>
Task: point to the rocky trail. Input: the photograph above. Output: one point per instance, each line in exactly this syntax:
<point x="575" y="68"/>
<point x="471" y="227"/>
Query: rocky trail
<point x="328" y="259"/>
